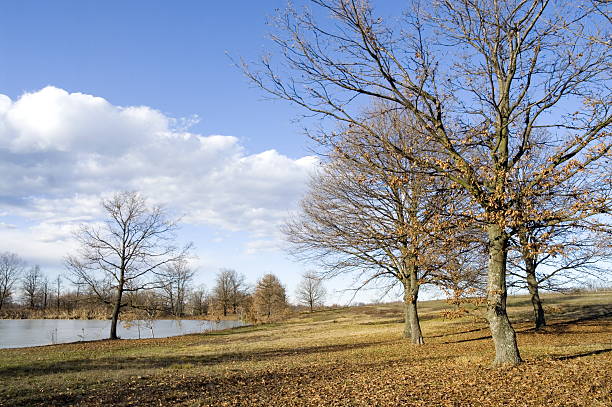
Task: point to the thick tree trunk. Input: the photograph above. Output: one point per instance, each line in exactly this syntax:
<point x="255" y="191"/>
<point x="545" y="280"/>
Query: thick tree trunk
<point x="536" y="302"/>
<point x="504" y="337"/>
<point x="412" y="325"/>
<point x="116" y="311"/>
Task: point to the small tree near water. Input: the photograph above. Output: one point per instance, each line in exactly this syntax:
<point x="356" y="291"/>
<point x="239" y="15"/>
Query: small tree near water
<point x="120" y="255"/>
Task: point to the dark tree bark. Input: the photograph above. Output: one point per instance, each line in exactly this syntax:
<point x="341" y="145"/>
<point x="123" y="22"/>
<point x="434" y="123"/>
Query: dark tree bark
<point x="536" y="302"/>
<point x="412" y="325"/>
<point x="116" y="311"/>
<point x="504" y="337"/>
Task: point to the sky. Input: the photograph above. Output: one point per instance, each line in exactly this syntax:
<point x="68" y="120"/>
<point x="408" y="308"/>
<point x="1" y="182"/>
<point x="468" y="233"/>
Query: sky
<point x="98" y="97"/>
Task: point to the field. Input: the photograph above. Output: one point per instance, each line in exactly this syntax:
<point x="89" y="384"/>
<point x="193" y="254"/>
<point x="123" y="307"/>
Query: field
<point x="344" y="357"/>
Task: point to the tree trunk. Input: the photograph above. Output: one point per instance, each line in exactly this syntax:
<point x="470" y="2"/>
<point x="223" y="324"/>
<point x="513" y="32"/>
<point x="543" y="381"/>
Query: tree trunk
<point x="116" y="311"/>
<point x="536" y="302"/>
<point x="412" y="325"/>
<point x="3" y="295"/>
<point x="504" y="337"/>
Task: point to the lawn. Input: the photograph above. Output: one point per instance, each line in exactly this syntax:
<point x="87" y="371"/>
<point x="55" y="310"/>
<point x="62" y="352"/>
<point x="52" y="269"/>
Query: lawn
<point x="344" y="357"/>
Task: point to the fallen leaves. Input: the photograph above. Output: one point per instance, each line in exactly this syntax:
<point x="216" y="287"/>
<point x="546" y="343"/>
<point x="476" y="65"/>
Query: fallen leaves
<point x="347" y="363"/>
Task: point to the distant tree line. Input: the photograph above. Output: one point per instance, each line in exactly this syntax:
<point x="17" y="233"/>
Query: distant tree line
<point x="130" y="265"/>
<point x="27" y="291"/>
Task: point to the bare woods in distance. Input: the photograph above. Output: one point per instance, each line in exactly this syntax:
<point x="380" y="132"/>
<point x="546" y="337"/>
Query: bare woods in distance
<point x="129" y="267"/>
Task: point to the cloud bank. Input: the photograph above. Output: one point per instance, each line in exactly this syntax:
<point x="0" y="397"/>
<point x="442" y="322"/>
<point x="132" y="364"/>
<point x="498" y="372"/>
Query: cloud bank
<point x="61" y="152"/>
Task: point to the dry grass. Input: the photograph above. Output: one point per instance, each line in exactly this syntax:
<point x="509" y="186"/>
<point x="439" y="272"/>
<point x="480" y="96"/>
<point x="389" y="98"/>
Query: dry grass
<point x="346" y="357"/>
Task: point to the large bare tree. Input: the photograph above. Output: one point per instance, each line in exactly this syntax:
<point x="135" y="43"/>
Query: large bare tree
<point x="121" y="255"/>
<point x="373" y="214"/>
<point x="480" y="78"/>
<point x="11" y="268"/>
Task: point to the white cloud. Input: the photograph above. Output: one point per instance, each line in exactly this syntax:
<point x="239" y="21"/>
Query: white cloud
<point x="61" y="152"/>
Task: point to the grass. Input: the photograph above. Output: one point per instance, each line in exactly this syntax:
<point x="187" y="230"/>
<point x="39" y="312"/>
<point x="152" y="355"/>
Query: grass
<point x="345" y="357"/>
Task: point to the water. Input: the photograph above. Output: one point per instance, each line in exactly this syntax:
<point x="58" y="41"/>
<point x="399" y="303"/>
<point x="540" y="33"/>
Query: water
<point x="19" y="333"/>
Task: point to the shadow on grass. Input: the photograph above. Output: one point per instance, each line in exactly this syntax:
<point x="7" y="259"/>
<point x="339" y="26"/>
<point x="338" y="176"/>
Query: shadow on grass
<point x="40" y="368"/>
<point x="573" y="316"/>
<point x="480" y="338"/>
<point x="578" y="315"/>
<point x="457" y="333"/>
<point x="560" y="300"/>
<point x="580" y="355"/>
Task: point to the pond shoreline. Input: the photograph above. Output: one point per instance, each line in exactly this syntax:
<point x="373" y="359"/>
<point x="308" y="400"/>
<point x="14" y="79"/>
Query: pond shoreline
<point x="123" y="339"/>
<point x="25" y="333"/>
<point x="8" y="315"/>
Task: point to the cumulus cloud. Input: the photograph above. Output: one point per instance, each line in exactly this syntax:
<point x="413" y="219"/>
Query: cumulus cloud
<point x="61" y="152"/>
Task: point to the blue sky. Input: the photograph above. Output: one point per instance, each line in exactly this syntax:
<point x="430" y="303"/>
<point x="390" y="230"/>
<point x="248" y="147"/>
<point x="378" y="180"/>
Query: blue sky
<point x="167" y="55"/>
<point x="94" y="90"/>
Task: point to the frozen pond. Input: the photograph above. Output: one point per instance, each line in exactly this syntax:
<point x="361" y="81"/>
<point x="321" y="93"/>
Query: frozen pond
<point x="18" y="333"/>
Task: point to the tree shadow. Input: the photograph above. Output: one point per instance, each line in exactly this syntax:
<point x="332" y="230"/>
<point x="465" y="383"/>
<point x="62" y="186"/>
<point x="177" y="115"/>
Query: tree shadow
<point x="585" y="313"/>
<point x="456" y="333"/>
<point x="578" y="315"/>
<point x="580" y="355"/>
<point x="480" y="338"/>
<point x="153" y="362"/>
<point x="574" y="316"/>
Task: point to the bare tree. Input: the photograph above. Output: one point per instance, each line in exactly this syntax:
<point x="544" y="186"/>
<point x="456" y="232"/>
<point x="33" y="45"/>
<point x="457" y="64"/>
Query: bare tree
<point x="311" y="291"/>
<point x="11" y="268"/>
<point x="32" y="286"/>
<point x="175" y="279"/>
<point x="44" y="292"/>
<point x="372" y="214"/>
<point x="238" y="291"/>
<point x="121" y="255"/>
<point x="480" y="78"/>
<point x="229" y="291"/>
<point x="222" y="292"/>
<point x="569" y="237"/>
<point x="555" y="257"/>
<point x="58" y="292"/>
<point x="269" y="298"/>
<point x="199" y="300"/>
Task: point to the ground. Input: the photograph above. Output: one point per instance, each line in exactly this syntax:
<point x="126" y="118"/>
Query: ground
<point x="344" y="357"/>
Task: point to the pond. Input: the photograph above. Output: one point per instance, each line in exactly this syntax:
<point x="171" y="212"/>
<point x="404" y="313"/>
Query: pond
<point x="19" y="333"/>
